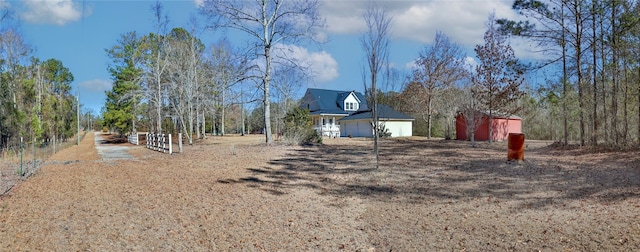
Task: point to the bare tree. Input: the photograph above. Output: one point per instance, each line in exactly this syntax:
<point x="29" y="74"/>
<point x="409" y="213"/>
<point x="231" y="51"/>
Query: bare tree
<point x="183" y="71"/>
<point x="229" y="68"/>
<point x="375" y="44"/>
<point x="268" y="23"/>
<point x="498" y="77"/>
<point x="439" y="67"/>
<point x="287" y="82"/>
<point x="470" y="110"/>
<point x="156" y="60"/>
<point x="448" y="105"/>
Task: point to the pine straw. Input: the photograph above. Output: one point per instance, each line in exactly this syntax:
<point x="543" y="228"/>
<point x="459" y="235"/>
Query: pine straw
<point x="428" y="195"/>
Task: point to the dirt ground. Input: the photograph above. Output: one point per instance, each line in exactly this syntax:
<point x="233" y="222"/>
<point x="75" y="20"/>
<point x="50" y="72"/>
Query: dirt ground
<point x="233" y="193"/>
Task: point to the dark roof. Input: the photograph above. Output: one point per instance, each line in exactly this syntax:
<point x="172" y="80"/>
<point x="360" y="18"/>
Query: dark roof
<point x="323" y="101"/>
<point x="384" y="113"/>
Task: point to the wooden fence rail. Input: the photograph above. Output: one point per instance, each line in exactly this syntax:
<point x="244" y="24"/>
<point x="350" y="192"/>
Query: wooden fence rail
<point x="159" y="142"/>
<point x="134" y="139"/>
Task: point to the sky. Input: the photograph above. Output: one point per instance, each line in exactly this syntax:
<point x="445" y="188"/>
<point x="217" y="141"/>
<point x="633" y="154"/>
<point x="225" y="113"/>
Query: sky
<point x="77" y="32"/>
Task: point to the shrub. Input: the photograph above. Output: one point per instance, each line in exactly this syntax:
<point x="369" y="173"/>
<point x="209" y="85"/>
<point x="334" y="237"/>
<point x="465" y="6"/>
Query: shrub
<point x="299" y="128"/>
<point x="383" y="132"/>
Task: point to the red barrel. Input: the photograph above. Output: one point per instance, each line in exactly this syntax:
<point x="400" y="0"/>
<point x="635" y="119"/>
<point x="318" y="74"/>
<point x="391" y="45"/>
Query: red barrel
<point x="516" y="146"/>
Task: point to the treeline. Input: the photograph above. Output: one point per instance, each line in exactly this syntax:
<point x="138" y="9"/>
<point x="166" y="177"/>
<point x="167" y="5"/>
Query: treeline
<point x="586" y="89"/>
<point x="596" y="45"/>
<point x="169" y="81"/>
<point x="35" y="95"/>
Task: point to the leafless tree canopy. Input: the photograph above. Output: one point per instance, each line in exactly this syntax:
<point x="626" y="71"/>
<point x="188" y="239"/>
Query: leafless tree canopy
<point x="439" y="66"/>
<point x="498" y="77"/>
<point x="268" y="23"/>
<point x="375" y="43"/>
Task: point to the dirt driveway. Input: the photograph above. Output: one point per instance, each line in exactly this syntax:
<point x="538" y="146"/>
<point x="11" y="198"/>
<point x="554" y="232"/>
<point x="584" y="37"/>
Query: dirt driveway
<point x="110" y="150"/>
<point x="232" y="193"/>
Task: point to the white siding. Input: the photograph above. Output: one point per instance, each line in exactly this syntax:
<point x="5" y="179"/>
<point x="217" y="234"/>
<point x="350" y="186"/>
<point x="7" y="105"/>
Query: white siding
<point x="362" y="128"/>
<point x="351" y="99"/>
<point x="356" y="128"/>
<point x="399" y="128"/>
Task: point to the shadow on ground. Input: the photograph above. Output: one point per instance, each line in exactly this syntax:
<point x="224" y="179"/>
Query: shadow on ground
<point x="418" y="171"/>
<point x="113" y="139"/>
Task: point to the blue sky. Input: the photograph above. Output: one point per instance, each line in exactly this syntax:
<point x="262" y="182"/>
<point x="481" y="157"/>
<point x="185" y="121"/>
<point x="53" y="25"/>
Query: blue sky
<point x="78" y="32"/>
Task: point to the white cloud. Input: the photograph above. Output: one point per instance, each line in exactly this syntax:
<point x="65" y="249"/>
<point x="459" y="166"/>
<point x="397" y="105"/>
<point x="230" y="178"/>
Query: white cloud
<point x="57" y="12"/>
<point x="411" y="65"/>
<point x="322" y="65"/>
<point x="96" y="85"/>
<point x="325" y="67"/>
<point x="199" y="3"/>
<point x="471" y="63"/>
<point x="463" y="21"/>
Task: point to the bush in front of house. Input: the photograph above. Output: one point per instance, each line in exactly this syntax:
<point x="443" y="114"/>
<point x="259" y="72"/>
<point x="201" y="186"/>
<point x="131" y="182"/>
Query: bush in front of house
<point x="299" y="128"/>
<point x="383" y="132"/>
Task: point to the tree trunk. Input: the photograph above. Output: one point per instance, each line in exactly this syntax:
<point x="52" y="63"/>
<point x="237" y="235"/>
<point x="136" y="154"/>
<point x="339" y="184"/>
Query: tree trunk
<point x="429" y="117"/>
<point x="267" y="103"/>
<point x="204" y="124"/>
<point x="158" y="104"/>
<point x="183" y="125"/>
<point x="625" y="101"/>
<point x="578" y="55"/>
<point x="614" y="92"/>
<point x="594" y="116"/>
<point x="222" y="108"/>
<point x="190" y="118"/>
<point x="565" y="88"/>
<point x="473" y="129"/>
<point x="603" y="57"/>
<point x="198" y="118"/>
<point x="638" y="136"/>
<point x="490" y="118"/>
<point x="374" y="113"/>
<point x="490" y="123"/>
<point x="242" y="109"/>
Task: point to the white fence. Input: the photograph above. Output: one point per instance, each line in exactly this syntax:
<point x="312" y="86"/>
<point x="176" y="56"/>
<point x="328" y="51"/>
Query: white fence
<point x="329" y="130"/>
<point x="159" y="142"/>
<point x="134" y="139"/>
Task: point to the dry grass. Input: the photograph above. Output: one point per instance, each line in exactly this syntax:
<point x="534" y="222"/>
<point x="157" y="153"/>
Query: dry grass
<point x="233" y="193"/>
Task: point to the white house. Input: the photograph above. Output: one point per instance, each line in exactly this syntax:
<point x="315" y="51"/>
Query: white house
<point x="360" y="124"/>
<point x="346" y="113"/>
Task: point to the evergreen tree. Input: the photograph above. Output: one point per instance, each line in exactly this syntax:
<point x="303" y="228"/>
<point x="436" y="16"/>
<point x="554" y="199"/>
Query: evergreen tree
<point x="122" y="99"/>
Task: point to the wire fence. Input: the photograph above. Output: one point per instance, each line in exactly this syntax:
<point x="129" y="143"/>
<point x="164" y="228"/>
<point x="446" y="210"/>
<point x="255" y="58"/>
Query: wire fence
<point x="21" y="160"/>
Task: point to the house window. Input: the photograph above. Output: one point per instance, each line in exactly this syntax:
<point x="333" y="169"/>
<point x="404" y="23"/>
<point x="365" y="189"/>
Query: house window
<point x="351" y="106"/>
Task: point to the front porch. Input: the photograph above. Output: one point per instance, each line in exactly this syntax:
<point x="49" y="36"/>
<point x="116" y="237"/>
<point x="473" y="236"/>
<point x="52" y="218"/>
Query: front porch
<point x="327" y="125"/>
<point x="329" y="130"/>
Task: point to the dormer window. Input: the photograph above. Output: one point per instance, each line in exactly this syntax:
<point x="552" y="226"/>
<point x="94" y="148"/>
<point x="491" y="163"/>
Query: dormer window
<point x="352" y="106"/>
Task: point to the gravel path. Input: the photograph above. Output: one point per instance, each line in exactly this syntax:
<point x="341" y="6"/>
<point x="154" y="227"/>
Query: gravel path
<point x="111" y="152"/>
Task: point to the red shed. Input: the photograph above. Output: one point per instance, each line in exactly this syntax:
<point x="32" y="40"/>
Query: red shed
<point x="502" y="126"/>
